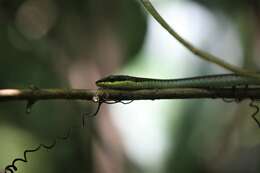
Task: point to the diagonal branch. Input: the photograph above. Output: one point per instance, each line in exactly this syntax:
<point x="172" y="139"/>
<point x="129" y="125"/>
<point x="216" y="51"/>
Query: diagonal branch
<point x="200" y="53"/>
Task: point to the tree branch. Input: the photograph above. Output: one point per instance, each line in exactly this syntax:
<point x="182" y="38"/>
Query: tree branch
<point x="108" y="94"/>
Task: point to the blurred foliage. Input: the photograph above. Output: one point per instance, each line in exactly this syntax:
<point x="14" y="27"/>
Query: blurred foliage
<point x="182" y="158"/>
<point x="8" y="10"/>
<point x="40" y="41"/>
<point x="213" y="138"/>
<point x="230" y="7"/>
<point x="245" y="14"/>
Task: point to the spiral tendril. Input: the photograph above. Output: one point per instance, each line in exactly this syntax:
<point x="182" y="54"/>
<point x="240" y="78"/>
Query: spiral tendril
<point x="12" y="167"/>
<point x="252" y="104"/>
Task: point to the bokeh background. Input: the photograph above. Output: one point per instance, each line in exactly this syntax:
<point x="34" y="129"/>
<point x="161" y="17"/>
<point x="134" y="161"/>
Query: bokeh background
<point x="71" y="44"/>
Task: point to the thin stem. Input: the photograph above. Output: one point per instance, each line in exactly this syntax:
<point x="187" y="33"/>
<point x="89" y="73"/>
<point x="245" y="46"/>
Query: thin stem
<point x="200" y="53"/>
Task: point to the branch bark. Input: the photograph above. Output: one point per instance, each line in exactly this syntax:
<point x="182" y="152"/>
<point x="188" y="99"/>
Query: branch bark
<point x="108" y="94"/>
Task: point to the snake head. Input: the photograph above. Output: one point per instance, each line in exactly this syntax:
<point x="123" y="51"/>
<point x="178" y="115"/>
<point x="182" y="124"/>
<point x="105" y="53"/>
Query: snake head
<point x="117" y="82"/>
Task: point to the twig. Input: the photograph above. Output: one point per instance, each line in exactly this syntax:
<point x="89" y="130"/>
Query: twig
<point x="200" y="53"/>
<point x="107" y="94"/>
